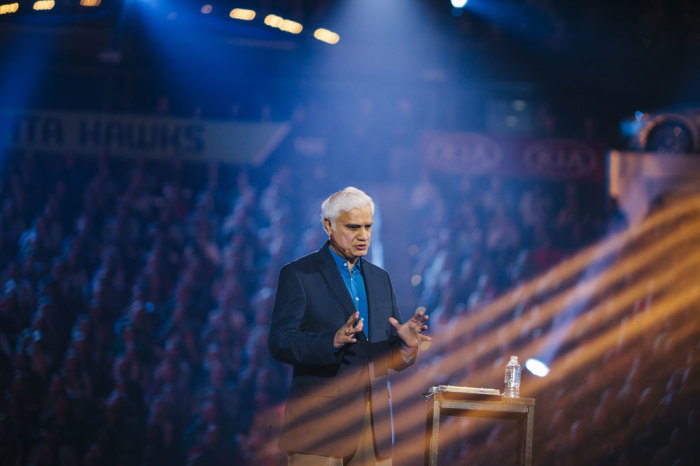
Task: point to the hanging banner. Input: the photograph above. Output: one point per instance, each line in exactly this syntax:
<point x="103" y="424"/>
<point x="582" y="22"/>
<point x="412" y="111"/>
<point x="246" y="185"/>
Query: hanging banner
<point x="480" y="154"/>
<point x="140" y="136"/>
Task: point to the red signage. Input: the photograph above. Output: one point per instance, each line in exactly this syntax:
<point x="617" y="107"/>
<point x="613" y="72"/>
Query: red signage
<point x="480" y="154"/>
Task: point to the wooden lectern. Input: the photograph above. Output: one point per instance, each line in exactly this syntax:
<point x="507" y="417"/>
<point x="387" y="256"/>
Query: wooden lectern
<point x="484" y="402"/>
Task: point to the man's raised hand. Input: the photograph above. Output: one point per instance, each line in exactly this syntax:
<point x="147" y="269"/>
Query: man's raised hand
<point x="411" y="332"/>
<point x="346" y="333"/>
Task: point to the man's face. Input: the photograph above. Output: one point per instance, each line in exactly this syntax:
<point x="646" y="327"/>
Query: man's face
<point x="352" y="233"/>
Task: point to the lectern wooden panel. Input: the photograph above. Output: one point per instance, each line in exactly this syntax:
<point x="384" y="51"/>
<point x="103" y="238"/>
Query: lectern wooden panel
<point x="444" y="400"/>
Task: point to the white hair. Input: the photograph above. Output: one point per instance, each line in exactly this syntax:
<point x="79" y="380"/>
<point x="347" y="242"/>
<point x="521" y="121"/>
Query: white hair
<point x="344" y="201"/>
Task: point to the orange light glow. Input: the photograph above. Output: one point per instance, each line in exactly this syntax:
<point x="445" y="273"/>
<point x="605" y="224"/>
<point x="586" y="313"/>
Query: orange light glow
<point x="242" y="14"/>
<point x="324" y="35"/>
<point x="8" y="8"/>
<point x="44" y="5"/>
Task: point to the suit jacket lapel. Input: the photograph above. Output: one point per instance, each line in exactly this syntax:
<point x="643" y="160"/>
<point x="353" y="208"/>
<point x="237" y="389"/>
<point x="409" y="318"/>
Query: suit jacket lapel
<point x="330" y="273"/>
<point x="372" y="293"/>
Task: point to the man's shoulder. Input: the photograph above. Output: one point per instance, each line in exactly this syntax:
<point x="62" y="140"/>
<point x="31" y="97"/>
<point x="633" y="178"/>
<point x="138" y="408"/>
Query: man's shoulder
<point x="369" y="267"/>
<point x="304" y="262"/>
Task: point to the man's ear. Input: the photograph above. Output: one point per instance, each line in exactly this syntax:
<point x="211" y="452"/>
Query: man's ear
<point x="327" y="226"/>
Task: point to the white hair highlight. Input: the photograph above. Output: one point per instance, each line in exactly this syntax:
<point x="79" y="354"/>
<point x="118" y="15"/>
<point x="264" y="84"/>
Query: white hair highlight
<point x="344" y="201"/>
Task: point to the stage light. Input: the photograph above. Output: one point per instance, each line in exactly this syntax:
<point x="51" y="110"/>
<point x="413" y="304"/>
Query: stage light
<point x="459" y="3"/>
<point x="286" y="25"/>
<point x="90" y="2"/>
<point x="273" y="21"/>
<point x="675" y="132"/>
<point x="206" y="9"/>
<point x="670" y="136"/>
<point x="242" y="14"/>
<point x="291" y="27"/>
<point x="324" y="35"/>
<point x="44" y="5"/>
<point x="9" y="8"/>
<point x="537" y="367"/>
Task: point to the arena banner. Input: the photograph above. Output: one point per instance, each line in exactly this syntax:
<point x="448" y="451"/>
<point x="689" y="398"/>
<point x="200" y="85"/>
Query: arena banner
<point x="484" y="154"/>
<point x="140" y="136"/>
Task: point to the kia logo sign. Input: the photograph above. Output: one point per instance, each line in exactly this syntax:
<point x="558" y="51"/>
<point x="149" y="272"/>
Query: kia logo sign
<point x="560" y="158"/>
<point x="471" y="152"/>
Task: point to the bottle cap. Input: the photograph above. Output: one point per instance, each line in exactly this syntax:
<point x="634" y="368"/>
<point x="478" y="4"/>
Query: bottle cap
<point x="513" y="357"/>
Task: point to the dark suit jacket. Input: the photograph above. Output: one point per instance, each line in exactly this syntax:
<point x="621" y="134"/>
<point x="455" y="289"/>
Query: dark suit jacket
<point x="326" y="403"/>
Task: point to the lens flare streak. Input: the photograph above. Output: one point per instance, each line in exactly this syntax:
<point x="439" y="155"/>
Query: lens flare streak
<point x="659" y="258"/>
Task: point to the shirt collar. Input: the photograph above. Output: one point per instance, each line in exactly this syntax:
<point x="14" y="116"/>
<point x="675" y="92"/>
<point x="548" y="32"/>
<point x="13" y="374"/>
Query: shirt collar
<point x="343" y="264"/>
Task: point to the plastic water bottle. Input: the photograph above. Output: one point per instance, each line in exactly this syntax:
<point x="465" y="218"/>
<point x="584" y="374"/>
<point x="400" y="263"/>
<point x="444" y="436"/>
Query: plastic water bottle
<point x="512" y="378"/>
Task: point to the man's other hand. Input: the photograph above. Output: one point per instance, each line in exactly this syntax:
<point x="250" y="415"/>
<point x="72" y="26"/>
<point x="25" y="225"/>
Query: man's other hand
<point x="411" y="333"/>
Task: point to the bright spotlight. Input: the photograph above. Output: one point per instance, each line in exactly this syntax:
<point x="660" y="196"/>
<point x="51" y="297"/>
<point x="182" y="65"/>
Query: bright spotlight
<point x="290" y="26"/>
<point x="537" y="367"/>
<point x="286" y="25"/>
<point x="242" y="14"/>
<point x="90" y="2"/>
<point x="459" y="3"/>
<point x="9" y="8"/>
<point x="324" y="35"/>
<point x="206" y="9"/>
<point x="273" y="21"/>
<point x="44" y="5"/>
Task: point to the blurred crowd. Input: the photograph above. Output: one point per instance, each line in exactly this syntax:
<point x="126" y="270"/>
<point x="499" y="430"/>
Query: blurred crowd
<point x="625" y="336"/>
<point x="135" y="298"/>
<point x="636" y="400"/>
<point x="135" y="295"/>
<point x="133" y="312"/>
<point x="482" y="236"/>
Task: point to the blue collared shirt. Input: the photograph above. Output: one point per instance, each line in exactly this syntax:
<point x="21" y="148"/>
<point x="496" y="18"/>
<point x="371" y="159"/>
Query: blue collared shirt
<point x="355" y="283"/>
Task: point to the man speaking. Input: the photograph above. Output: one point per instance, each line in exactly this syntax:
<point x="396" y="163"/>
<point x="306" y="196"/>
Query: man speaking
<point x="335" y="320"/>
